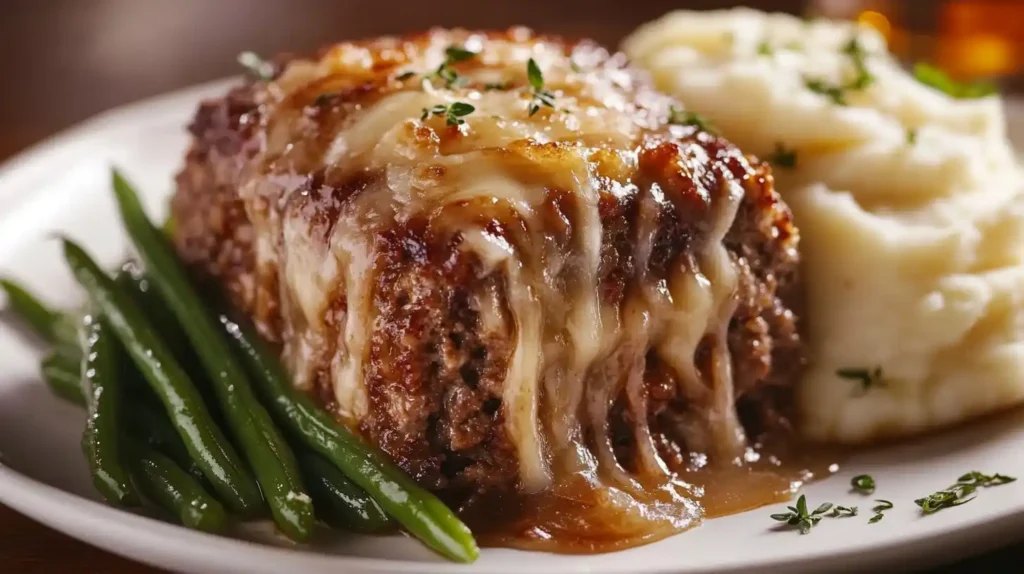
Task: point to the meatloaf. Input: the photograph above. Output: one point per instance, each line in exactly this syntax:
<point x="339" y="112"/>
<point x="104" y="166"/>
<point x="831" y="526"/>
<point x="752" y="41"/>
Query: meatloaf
<point x="501" y="257"/>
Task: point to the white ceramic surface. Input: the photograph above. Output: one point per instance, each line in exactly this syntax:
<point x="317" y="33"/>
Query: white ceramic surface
<point x="62" y="186"/>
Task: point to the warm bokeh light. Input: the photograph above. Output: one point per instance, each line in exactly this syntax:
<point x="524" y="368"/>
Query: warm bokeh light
<point x="980" y="38"/>
<point x="876" y="20"/>
<point x="979" y="54"/>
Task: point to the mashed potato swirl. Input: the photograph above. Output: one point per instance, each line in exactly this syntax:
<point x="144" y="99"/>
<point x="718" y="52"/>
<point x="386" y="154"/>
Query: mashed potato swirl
<point x="908" y="201"/>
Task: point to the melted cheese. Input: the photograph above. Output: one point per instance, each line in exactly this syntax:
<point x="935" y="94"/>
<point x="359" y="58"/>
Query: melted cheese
<point x="572" y="354"/>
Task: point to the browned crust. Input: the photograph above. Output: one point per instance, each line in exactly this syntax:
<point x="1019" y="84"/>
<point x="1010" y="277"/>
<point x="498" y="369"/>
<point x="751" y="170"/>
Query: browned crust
<point x="434" y="378"/>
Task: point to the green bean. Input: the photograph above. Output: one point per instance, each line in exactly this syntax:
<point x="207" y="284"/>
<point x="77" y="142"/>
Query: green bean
<point x="101" y="444"/>
<point x="135" y="282"/>
<point x="142" y="417"/>
<point x="265" y="448"/>
<point x="190" y="417"/>
<point x="421" y="513"/>
<point x="170" y="487"/>
<point x="62" y="376"/>
<point x="338" y="501"/>
<point x="172" y="492"/>
<point x="49" y="325"/>
<point x="144" y="414"/>
<point x="132" y="278"/>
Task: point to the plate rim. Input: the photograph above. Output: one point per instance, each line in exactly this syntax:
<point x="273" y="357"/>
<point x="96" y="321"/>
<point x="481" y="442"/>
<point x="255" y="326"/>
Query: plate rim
<point x="225" y="553"/>
<point x="42" y="502"/>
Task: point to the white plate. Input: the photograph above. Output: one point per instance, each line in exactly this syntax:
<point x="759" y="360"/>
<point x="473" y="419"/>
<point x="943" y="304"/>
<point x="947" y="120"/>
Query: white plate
<point x="62" y="186"/>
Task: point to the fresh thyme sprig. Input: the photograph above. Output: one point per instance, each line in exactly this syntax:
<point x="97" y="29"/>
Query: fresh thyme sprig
<point x="453" y="113"/>
<point x="541" y="97"/>
<point x="455" y="53"/>
<point x="800" y="518"/>
<point x="962" y="492"/>
<point x="452" y="55"/>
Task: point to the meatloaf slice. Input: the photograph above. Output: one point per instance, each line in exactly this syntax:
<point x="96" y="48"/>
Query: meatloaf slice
<point x="568" y="267"/>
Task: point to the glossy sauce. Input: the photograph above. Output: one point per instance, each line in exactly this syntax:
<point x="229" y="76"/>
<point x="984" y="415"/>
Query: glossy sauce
<point x="572" y="518"/>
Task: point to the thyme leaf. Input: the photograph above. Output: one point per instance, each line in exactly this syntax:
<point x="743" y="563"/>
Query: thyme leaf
<point x="541" y="97"/>
<point x="863" y="483"/>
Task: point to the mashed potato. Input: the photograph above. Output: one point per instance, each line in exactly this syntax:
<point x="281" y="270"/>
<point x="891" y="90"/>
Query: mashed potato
<point x="909" y="207"/>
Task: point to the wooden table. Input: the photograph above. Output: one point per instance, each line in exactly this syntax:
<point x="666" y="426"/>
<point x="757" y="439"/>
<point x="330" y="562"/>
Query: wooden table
<point x="64" y="60"/>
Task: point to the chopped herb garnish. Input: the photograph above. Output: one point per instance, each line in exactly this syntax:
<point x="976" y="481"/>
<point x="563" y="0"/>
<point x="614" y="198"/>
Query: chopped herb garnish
<point x="935" y="77"/>
<point x="574" y="66"/>
<point x="453" y="113"/>
<point x="879" y="510"/>
<point x="834" y="93"/>
<point x="497" y="85"/>
<point x="863" y="483"/>
<point x="256" y="66"/>
<point x="947" y="498"/>
<point x="843" y="511"/>
<point x="861" y="80"/>
<point x="911" y="136"/>
<point x="448" y="75"/>
<point x="765" y="49"/>
<point x="868" y="379"/>
<point x="405" y="76"/>
<point x="452" y="55"/>
<point x="687" y="118"/>
<point x="800" y="518"/>
<point x="541" y="97"/>
<point x="962" y="492"/>
<point x="458" y="110"/>
<point x="975" y="478"/>
<point x="534" y="75"/>
<point x="782" y="157"/>
<point x="856" y="52"/>
<point x="437" y="110"/>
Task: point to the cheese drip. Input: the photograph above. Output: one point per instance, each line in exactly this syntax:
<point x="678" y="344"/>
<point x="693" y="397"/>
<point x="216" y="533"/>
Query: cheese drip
<point x="522" y="194"/>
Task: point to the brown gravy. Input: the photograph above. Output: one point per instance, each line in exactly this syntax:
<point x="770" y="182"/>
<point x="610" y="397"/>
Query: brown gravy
<point x="571" y="518"/>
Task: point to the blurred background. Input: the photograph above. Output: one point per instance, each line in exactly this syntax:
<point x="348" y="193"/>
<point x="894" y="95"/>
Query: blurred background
<point x="62" y="61"/>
